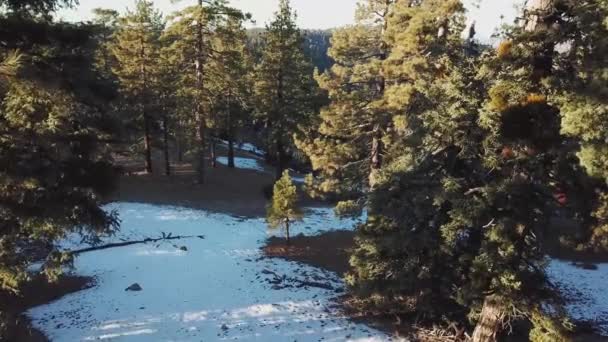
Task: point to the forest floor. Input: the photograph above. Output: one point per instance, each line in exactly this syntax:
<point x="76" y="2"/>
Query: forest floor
<point x="235" y="192"/>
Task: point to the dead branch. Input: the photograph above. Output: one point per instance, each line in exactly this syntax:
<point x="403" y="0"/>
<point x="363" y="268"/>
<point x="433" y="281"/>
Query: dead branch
<point x="136" y="242"/>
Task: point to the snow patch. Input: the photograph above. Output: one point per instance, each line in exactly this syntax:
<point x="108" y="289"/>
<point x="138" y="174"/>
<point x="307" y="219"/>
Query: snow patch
<point x="219" y="289"/>
<point x="584" y="291"/>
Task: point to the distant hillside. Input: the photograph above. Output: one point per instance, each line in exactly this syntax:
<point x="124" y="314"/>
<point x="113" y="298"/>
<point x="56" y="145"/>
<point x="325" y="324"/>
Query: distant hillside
<point x="316" y="43"/>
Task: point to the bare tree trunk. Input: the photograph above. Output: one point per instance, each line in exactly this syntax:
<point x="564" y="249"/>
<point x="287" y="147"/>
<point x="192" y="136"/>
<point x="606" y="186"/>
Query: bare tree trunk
<point x="280" y="160"/>
<point x="377" y="146"/>
<point x="178" y="145"/>
<point x="199" y="115"/>
<point x="213" y="153"/>
<point x="376" y="156"/>
<point x="540" y="15"/>
<point x="166" y="144"/>
<point x="147" y="140"/>
<point x="230" y="133"/>
<point x="287" y="232"/>
<point x="230" y="152"/>
<point x="537" y="13"/>
<point x="490" y="322"/>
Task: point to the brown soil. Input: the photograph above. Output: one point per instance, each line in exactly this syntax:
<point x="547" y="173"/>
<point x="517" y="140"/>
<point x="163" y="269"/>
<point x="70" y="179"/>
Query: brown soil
<point x="36" y="292"/>
<point x="329" y="251"/>
<point x="236" y="191"/>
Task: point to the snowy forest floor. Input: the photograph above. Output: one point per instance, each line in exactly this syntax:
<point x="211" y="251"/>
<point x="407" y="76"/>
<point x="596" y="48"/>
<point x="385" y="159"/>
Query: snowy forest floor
<point x="239" y="193"/>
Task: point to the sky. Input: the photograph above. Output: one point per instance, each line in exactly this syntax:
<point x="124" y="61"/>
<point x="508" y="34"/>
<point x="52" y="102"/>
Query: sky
<point x="312" y="14"/>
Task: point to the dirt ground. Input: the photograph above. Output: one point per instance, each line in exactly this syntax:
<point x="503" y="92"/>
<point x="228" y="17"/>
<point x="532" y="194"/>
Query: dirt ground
<point x="329" y="251"/>
<point x="238" y="192"/>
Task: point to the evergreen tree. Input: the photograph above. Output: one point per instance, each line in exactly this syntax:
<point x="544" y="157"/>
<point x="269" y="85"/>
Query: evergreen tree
<point x="284" y="84"/>
<point x="347" y="145"/>
<point x="457" y="218"/>
<point x="53" y="140"/>
<point x="137" y="49"/>
<point x="578" y="31"/>
<point x="194" y="30"/>
<point x="106" y="21"/>
<point x="231" y="74"/>
<point x="284" y="209"/>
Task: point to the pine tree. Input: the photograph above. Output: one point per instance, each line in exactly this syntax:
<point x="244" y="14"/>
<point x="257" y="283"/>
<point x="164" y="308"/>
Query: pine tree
<point x="194" y="30"/>
<point x="457" y="218"/>
<point x="283" y="210"/>
<point x="106" y="20"/>
<point x="137" y="49"/>
<point x="231" y="74"/>
<point x="284" y="84"/>
<point x="54" y="167"/>
<point x="347" y="146"/>
<point x="582" y="82"/>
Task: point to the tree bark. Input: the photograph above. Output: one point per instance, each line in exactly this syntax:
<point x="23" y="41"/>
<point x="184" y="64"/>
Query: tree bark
<point x="178" y="145"/>
<point x="230" y="132"/>
<point x="199" y="115"/>
<point x="287" y="232"/>
<point x="166" y="145"/>
<point x="280" y="160"/>
<point x="213" y="153"/>
<point x="491" y="319"/>
<point x="230" y="152"/>
<point x="147" y="140"/>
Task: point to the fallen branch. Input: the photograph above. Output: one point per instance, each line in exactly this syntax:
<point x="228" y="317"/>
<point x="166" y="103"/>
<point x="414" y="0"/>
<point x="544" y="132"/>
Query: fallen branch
<point x="129" y="243"/>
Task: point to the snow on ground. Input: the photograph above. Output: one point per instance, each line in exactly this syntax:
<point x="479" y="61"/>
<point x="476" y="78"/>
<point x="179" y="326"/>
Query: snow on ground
<point x="244" y="163"/>
<point x="246" y="147"/>
<point x="585" y="291"/>
<point x="212" y="289"/>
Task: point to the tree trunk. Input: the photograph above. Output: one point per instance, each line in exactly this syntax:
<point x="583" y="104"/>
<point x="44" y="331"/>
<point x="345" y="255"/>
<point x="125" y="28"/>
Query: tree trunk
<point x="540" y="15"/>
<point x="199" y="115"/>
<point x="287" y="232"/>
<point x="166" y="145"/>
<point x="490" y="322"/>
<point x="280" y="160"/>
<point x="213" y="153"/>
<point x="537" y="13"/>
<point x="178" y="145"/>
<point x="147" y="140"/>
<point x="230" y="132"/>
<point x="230" y="152"/>
<point x="376" y="156"/>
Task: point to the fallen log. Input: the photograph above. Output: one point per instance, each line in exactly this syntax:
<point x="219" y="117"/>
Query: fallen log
<point x="136" y="242"/>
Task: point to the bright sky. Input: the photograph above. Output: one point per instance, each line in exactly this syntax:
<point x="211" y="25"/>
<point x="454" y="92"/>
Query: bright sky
<point x="317" y="14"/>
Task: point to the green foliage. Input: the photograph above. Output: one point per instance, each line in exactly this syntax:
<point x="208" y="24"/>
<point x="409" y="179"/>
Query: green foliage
<point x="284" y="88"/>
<point x="54" y="157"/>
<point x="284" y="208"/>
<point x="471" y="157"/>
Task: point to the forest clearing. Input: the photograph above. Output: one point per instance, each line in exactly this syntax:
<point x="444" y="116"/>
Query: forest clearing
<point x="181" y="171"/>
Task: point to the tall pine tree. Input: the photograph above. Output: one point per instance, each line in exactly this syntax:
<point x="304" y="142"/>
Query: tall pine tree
<point x="137" y="49"/>
<point x="347" y="145"/>
<point x="284" y="87"/>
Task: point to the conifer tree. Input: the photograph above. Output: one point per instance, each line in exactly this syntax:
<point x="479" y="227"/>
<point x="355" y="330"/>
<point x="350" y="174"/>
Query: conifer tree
<point x="54" y="168"/>
<point x="194" y="29"/>
<point x="457" y="218"/>
<point x="284" y="84"/>
<point x="231" y="74"/>
<point x="347" y="145"/>
<point x="582" y="85"/>
<point x="137" y="49"/>
<point x="283" y="210"/>
<point x="106" y="20"/>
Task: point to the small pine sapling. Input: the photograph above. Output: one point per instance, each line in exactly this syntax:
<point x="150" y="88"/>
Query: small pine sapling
<point x="284" y="209"/>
